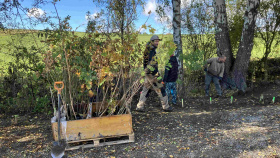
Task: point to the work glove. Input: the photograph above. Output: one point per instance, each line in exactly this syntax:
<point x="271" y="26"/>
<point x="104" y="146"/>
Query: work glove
<point x="163" y="83"/>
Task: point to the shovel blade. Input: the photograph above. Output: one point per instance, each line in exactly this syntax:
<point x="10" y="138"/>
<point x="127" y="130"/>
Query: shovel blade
<point x="58" y="149"/>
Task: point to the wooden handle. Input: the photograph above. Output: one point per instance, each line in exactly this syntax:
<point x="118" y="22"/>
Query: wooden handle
<point x="58" y="89"/>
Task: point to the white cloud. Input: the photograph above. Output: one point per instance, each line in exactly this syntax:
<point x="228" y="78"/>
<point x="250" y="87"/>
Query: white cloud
<point x="92" y="16"/>
<point x="166" y="20"/>
<point x="150" y="6"/>
<point x="36" y="13"/>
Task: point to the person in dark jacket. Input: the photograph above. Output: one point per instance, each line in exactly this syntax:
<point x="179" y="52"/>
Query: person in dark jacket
<point x="152" y="76"/>
<point x="170" y="77"/>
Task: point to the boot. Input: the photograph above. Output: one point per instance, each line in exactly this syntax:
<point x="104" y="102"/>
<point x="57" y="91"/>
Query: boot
<point x="170" y="109"/>
<point x="140" y="106"/>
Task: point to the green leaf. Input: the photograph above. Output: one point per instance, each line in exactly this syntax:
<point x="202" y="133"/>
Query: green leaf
<point x="100" y="84"/>
<point x="179" y="81"/>
<point x="35" y="77"/>
<point x="151" y="68"/>
<point x="25" y="86"/>
<point x="104" y="54"/>
<point x="142" y="80"/>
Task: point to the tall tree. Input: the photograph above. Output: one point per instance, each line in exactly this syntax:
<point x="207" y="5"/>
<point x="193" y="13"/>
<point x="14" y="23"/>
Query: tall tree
<point x="236" y="68"/>
<point x="222" y="33"/>
<point x="268" y="28"/>
<point x="240" y="66"/>
<point x="176" y="4"/>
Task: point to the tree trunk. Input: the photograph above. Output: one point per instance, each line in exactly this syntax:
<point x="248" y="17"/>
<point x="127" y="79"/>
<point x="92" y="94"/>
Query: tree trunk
<point x="240" y="67"/>
<point x="178" y="41"/>
<point x="222" y="34"/>
<point x="264" y="61"/>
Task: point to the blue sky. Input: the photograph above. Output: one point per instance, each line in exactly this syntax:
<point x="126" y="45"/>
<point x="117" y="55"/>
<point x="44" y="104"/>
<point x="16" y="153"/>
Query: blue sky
<point x="77" y="9"/>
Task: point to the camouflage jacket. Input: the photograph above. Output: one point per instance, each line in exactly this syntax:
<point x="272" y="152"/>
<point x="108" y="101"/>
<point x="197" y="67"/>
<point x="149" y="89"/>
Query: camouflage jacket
<point x="150" y="59"/>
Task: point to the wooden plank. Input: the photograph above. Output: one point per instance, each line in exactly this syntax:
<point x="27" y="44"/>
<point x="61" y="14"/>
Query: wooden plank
<point x="131" y="137"/>
<point x="97" y="143"/>
<point x="76" y="141"/>
<point x="98" y="127"/>
<point x="100" y="144"/>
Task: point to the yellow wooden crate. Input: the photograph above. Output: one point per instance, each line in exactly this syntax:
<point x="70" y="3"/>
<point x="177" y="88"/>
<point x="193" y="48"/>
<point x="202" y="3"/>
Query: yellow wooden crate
<point x="95" y="129"/>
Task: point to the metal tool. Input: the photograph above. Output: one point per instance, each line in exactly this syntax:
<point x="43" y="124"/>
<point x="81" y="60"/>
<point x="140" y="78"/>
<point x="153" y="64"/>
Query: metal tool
<point x="58" y="146"/>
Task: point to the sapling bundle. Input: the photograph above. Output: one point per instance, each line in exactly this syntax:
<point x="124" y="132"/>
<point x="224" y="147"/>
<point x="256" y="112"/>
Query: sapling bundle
<point x="100" y="76"/>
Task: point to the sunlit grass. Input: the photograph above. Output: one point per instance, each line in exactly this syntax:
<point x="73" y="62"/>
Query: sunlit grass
<point x="28" y="39"/>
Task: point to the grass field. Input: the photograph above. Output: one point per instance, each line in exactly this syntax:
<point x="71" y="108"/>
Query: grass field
<point x="9" y="43"/>
<point x="21" y="38"/>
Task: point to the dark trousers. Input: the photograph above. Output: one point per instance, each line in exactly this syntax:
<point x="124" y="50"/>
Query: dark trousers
<point x="208" y="79"/>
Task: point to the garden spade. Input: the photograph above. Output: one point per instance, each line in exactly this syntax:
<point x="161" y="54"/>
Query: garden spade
<point x="58" y="146"/>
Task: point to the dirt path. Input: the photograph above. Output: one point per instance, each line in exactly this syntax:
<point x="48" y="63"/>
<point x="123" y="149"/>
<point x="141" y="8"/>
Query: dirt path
<point x="246" y="128"/>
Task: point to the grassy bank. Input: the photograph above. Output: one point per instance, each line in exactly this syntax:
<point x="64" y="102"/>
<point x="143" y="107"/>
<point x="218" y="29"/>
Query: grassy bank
<point x="12" y="39"/>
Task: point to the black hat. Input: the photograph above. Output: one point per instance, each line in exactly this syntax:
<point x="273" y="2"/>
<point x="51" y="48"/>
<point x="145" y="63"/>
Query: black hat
<point x="155" y="37"/>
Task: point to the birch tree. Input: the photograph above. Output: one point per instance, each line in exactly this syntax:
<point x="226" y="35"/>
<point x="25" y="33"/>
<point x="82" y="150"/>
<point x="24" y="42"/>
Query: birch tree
<point x="222" y="33"/>
<point x="176" y="22"/>
<point x="237" y="69"/>
<point x="240" y="66"/>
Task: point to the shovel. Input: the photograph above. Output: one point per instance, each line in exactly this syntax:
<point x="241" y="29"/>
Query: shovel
<point x="58" y="146"/>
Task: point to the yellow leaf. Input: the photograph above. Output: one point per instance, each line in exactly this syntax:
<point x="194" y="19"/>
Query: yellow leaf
<point x="144" y="26"/>
<point x="152" y="30"/>
<point x="171" y="156"/>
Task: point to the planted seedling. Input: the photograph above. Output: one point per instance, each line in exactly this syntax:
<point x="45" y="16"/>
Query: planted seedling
<point x="261" y="99"/>
<point x="16" y="119"/>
